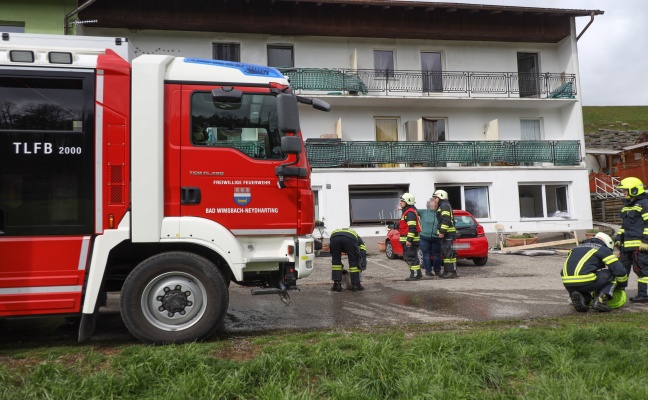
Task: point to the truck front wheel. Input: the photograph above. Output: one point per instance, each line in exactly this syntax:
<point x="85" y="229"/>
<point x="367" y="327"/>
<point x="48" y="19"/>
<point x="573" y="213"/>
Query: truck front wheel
<point x="174" y="297"/>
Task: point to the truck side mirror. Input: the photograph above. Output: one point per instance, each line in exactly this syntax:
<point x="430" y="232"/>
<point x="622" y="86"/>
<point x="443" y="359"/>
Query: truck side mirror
<point x="287" y="113"/>
<point x="291" y="145"/>
<point x="321" y="105"/>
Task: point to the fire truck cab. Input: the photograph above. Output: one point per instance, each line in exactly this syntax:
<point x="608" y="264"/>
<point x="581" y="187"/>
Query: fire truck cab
<point x="162" y="178"/>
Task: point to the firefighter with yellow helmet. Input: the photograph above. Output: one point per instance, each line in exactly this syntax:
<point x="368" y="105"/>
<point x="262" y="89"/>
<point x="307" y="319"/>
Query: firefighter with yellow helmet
<point x="632" y="237"/>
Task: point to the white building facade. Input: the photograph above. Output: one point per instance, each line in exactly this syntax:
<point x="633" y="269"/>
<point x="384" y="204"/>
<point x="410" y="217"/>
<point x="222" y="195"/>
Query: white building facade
<point x="489" y="100"/>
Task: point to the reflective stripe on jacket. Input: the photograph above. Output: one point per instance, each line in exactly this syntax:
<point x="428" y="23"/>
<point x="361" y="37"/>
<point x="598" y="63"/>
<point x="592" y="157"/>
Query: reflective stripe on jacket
<point x="348" y="232"/>
<point x="587" y="258"/>
<point x="409" y="225"/>
<point x="446" y="218"/>
<point x="634" y="228"/>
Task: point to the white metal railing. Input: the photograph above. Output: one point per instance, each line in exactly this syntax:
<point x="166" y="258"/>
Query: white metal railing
<point x="605" y="190"/>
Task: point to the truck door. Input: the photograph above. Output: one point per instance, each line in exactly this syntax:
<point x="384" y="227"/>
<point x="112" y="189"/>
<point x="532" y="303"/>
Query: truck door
<point x="229" y="152"/>
<point x="46" y="188"/>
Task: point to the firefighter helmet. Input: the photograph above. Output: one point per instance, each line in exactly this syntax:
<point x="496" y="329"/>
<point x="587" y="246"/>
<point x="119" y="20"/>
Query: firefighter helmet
<point x="633" y="185"/>
<point x="408" y="198"/>
<point x="606" y="239"/>
<point x="441" y="194"/>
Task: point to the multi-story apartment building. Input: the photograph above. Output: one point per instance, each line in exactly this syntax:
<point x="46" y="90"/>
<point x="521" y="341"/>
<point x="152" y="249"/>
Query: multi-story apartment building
<point x="482" y="101"/>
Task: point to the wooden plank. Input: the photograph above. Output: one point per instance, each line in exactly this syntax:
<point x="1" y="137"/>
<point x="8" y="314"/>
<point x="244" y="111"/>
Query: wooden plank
<point x="573" y="241"/>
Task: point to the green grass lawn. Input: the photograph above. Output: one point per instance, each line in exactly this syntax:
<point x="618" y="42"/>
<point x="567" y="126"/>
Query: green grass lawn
<point x="588" y="356"/>
<point x="614" y="118"/>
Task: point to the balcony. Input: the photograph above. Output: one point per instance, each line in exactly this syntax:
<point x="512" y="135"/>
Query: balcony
<point x="331" y="153"/>
<point x="458" y="83"/>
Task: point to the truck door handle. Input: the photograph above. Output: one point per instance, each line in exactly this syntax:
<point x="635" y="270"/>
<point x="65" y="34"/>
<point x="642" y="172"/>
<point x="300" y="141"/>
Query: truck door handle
<point x="190" y="195"/>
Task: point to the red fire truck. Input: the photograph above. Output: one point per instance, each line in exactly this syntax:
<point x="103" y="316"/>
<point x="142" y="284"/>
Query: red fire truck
<point x="162" y="178"/>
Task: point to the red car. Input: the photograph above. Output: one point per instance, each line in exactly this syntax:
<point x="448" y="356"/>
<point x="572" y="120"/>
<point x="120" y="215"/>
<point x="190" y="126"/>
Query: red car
<point x="470" y="242"/>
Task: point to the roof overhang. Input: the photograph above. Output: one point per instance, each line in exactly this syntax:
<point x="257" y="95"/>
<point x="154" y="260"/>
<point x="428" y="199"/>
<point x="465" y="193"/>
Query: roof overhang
<point x="602" y="151"/>
<point x="337" y="18"/>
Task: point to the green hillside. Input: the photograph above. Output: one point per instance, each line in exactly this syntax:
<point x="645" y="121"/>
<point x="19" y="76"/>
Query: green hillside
<point x="619" y="118"/>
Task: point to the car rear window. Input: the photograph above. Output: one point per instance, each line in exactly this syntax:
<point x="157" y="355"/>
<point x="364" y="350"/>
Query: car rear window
<point x="464" y="222"/>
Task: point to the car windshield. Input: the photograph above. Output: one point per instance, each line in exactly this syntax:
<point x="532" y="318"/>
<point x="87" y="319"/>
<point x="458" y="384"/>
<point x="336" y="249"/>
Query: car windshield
<point x="464" y="221"/>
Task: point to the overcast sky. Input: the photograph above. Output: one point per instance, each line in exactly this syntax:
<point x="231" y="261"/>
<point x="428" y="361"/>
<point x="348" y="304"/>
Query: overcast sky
<point x="612" y="53"/>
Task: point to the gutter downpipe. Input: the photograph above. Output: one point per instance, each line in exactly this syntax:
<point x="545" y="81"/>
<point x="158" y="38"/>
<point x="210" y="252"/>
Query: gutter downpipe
<point x="586" y="26"/>
<point x="78" y="10"/>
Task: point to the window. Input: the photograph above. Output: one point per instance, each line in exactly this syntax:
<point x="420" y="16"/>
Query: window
<point x="316" y="193"/>
<point x="472" y="198"/>
<point x="251" y="128"/>
<point x="46" y="152"/>
<point x="530" y="129"/>
<point x="431" y="71"/>
<point x="280" y="56"/>
<point x="384" y="62"/>
<point x="227" y="51"/>
<point x="386" y="131"/>
<point x="543" y="201"/>
<point x="374" y="204"/>
<point x="528" y="74"/>
<point x="434" y="129"/>
<point x="12" y="27"/>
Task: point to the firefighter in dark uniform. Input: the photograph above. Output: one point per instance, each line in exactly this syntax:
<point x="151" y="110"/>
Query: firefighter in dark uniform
<point x="349" y="242"/>
<point x="585" y="272"/>
<point x="632" y="237"/>
<point x="447" y="233"/>
<point x="409" y="228"/>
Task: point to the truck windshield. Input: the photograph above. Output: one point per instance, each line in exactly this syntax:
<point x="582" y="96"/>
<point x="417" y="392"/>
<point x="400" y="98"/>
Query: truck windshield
<point x="250" y="127"/>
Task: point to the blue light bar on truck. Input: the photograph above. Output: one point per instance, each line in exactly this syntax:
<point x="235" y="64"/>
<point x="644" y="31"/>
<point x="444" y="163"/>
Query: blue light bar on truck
<point x="247" y="69"/>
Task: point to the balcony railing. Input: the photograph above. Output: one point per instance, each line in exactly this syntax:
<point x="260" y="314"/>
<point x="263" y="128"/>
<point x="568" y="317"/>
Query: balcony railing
<point x="459" y="83"/>
<point x="328" y="153"/>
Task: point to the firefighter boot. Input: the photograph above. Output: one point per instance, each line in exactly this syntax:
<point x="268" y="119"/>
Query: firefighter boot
<point x="415" y="275"/>
<point x="336" y="277"/>
<point x="355" y="281"/>
<point x="600" y="303"/>
<point x="642" y="293"/>
<point x="578" y="301"/>
<point x="449" y="271"/>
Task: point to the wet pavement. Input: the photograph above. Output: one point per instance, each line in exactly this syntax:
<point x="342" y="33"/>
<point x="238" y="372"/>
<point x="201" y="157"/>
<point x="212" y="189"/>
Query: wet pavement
<point x="508" y="287"/>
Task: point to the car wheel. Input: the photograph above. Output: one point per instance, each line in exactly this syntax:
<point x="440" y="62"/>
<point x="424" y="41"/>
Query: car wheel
<point x="480" y="261"/>
<point x="389" y="251"/>
<point x="174" y="297"/>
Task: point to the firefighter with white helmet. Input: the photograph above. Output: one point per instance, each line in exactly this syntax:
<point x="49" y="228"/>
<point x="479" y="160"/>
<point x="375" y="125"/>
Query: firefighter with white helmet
<point x="409" y="228"/>
<point x="632" y="237"/>
<point x="592" y="271"/>
<point x="447" y="233"/>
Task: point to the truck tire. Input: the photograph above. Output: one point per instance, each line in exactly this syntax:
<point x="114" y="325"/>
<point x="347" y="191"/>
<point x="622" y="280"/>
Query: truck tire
<point x="174" y="297"/>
